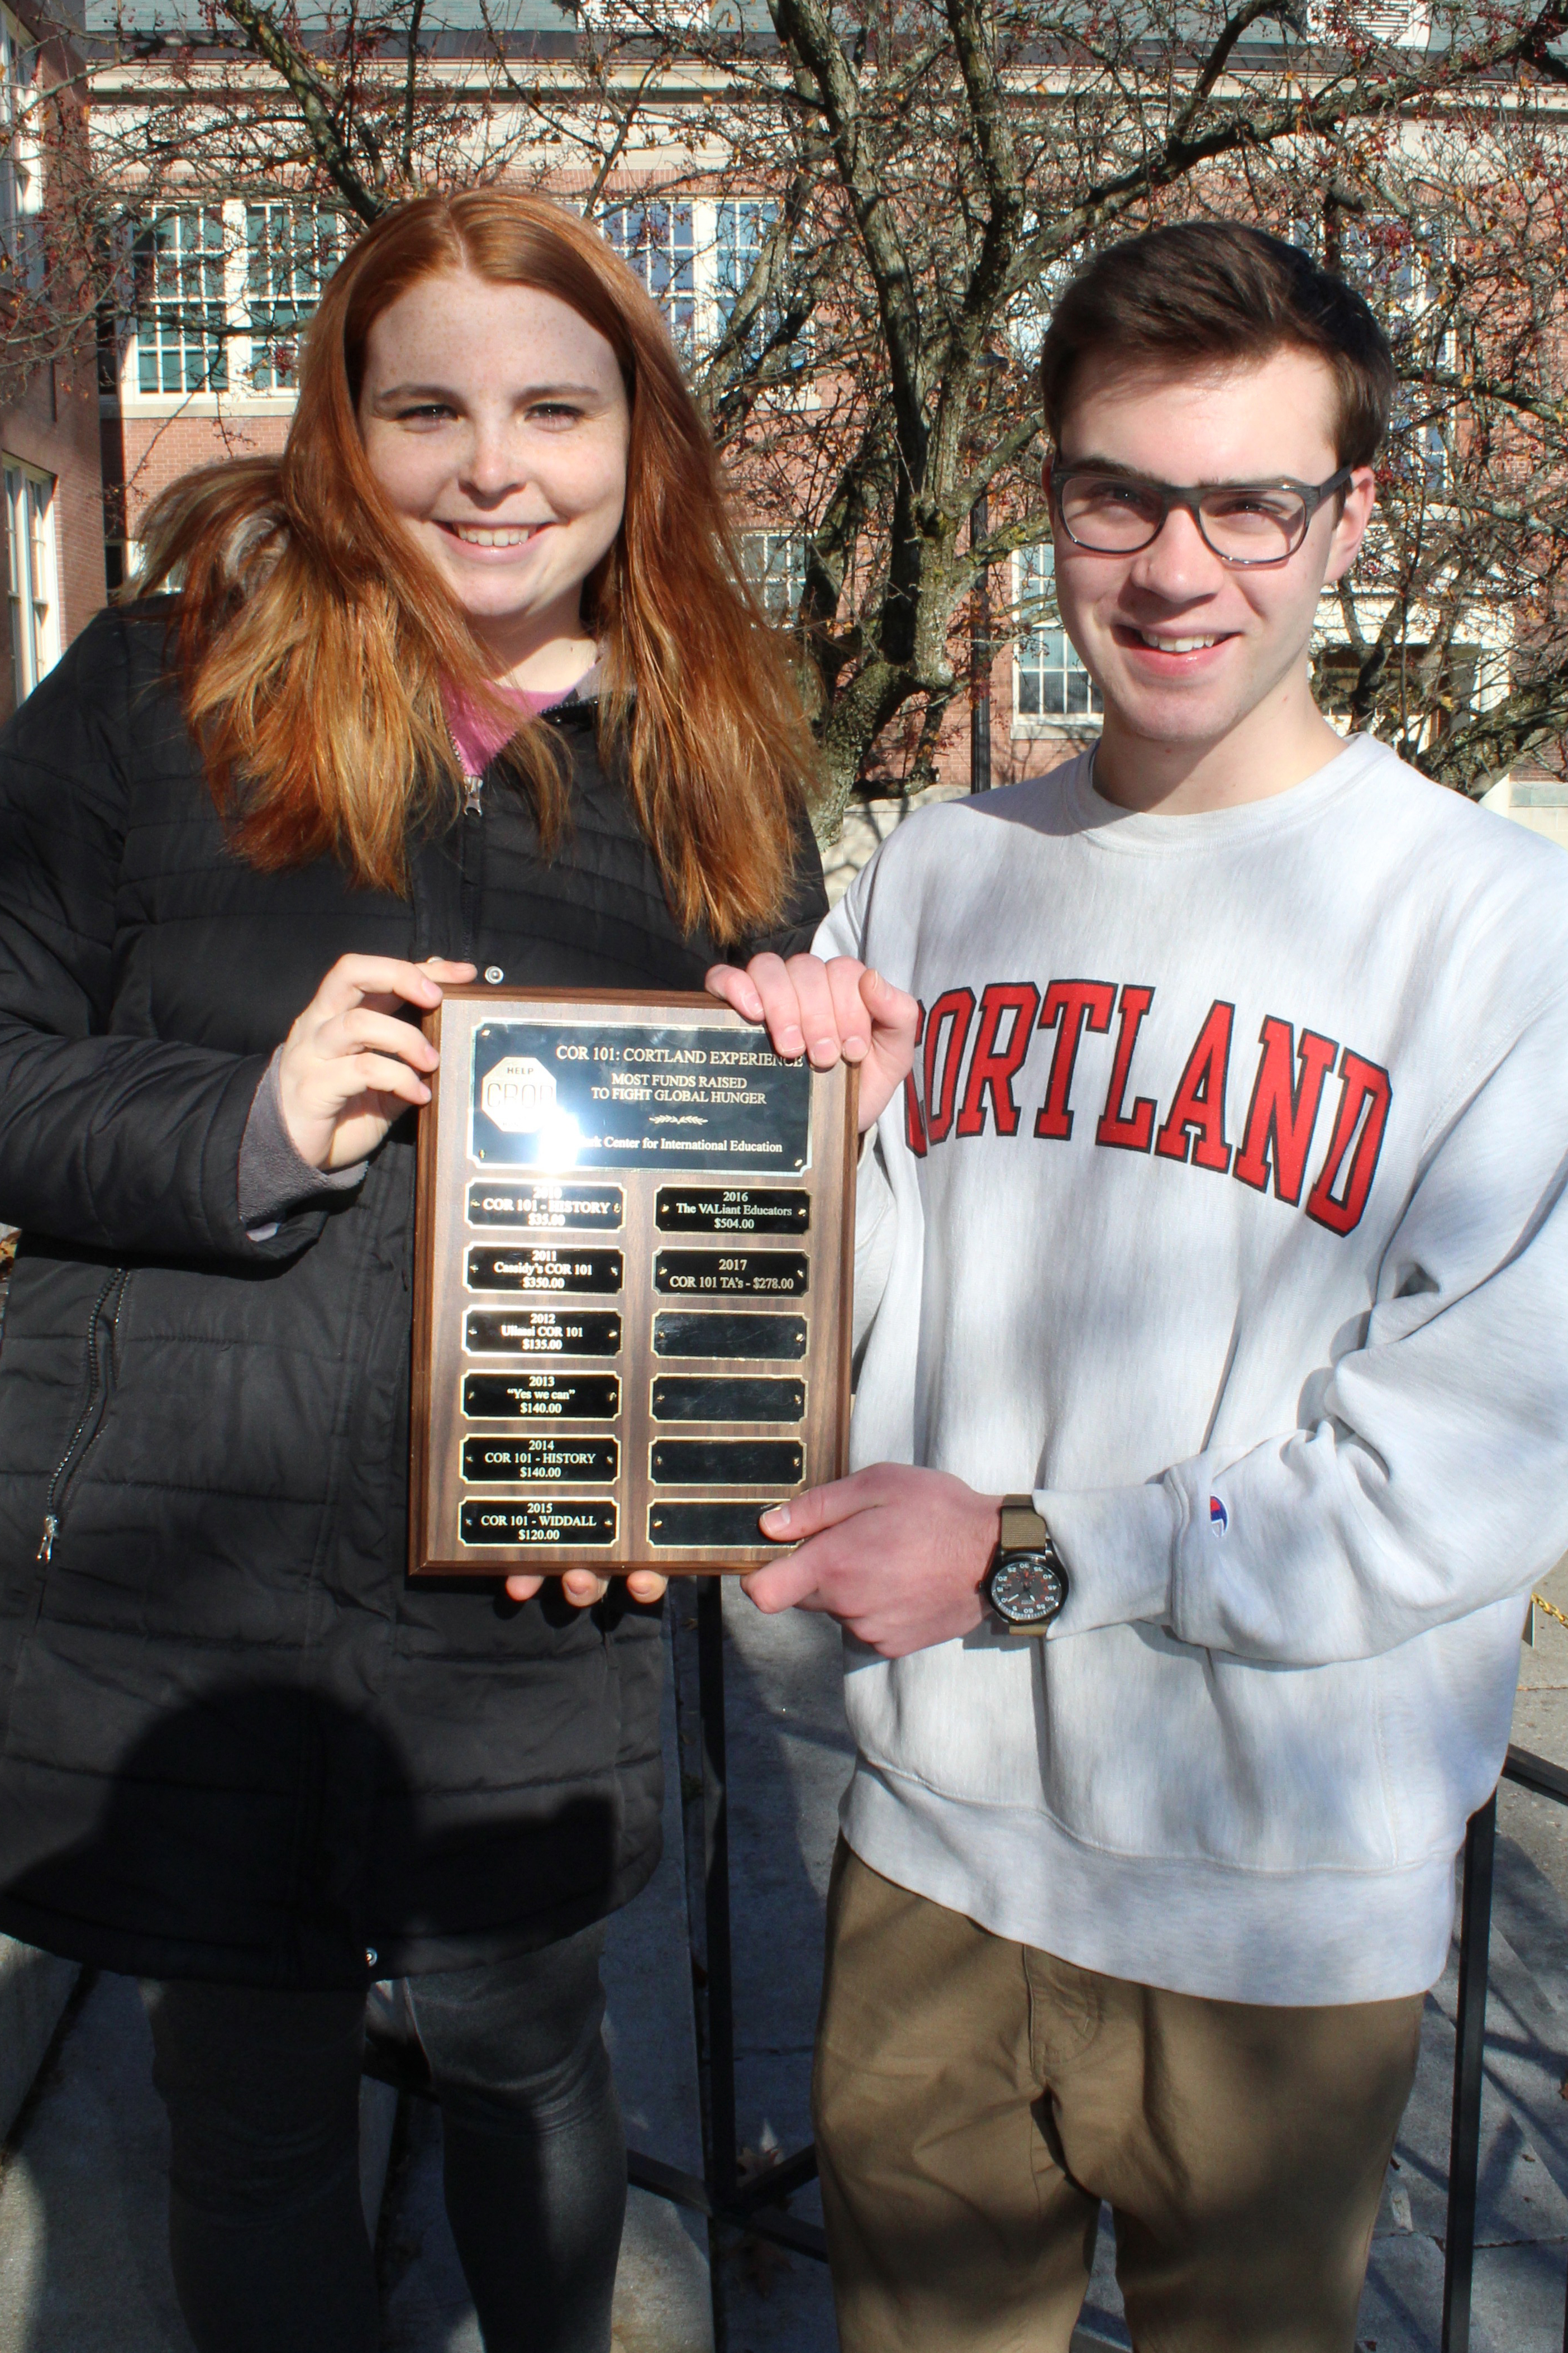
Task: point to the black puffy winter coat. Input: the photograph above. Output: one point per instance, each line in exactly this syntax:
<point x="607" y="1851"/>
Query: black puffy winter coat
<point x="236" y="1743"/>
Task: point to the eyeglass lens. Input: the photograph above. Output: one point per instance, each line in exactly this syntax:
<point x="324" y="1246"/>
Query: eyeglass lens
<point x="1112" y="516"/>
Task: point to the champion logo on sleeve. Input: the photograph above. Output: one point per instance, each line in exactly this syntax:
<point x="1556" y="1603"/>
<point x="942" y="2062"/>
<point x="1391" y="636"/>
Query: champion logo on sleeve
<point x="1219" y="1518"/>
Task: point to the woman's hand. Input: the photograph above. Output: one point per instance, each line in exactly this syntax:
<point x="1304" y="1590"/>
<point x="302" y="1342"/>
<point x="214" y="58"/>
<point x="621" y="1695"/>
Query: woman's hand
<point x="349" y="1065"/>
<point x="582" y="1588"/>
<point x="825" y="1011"/>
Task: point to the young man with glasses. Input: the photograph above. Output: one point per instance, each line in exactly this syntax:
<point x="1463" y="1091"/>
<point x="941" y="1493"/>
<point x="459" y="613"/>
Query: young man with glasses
<point x="1212" y="1283"/>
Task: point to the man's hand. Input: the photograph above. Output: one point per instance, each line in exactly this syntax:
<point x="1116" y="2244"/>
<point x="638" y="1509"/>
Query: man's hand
<point x="825" y="1011"/>
<point x="582" y="1588"/>
<point x="894" y="1553"/>
<point x="351" y="1065"/>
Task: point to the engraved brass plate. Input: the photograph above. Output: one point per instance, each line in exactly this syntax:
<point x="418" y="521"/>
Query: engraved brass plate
<point x="547" y="1209"/>
<point x="550" y="1397"/>
<point x="731" y="1209"/>
<point x="711" y="1275"/>
<point x="540" y="1332"/>
<point x="548" y="1462"/>
<point x="634" y="1239"/>
<point x="541" y="1267"/>
<point x="635" y="1096"/>
<point x="536" y="1520"/>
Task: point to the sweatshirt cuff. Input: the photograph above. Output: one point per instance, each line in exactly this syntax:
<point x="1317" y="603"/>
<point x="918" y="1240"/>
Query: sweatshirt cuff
<point x="1119" y="1546"/>
<point x="272" y="1176"/>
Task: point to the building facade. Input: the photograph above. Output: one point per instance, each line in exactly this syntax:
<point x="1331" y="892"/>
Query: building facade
<point x="51" y="488"/>
<point x="220" y="282"/>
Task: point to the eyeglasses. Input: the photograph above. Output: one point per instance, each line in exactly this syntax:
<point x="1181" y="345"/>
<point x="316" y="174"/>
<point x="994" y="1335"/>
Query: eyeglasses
<point x="1244" y="524"/>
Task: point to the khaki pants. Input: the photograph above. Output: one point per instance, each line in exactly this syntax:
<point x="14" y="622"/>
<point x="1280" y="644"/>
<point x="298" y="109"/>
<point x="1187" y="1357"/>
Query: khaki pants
<point x="974" y="2100"/>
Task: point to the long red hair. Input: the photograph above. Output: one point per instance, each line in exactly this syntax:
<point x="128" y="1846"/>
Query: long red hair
<point x="312" y="639"/>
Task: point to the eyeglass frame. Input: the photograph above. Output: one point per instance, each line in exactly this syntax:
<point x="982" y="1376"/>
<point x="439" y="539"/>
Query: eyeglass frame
<point x="1170" y="495"/>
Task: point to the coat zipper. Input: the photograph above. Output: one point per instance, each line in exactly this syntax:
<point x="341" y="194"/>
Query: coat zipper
<point x="86" y="1428"/>
<point x="468" y="885"/>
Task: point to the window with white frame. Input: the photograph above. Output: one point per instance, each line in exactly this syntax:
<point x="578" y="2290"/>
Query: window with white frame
<point x="182" y="313"/>
<point x="290" y="251"/>
<point x="1400" y="267"/>
<point x="33" y="571"/>
<point x="624" y="18"/>
<point x="695" y="256"/>
<point x="659" y="242"/>
<point x="773" y="562"/>
<point x="1030" y="312"/>
<point x="1049" y="681"/>
<point x="21" y="172"/>
<point x="741" y="226"/>
<point x="1405" y="24"/>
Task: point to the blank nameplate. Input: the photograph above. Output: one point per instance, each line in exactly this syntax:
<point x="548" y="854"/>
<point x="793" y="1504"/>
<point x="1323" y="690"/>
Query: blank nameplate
<point x="727" y="1463"/>
<point x="678" y="1334"/>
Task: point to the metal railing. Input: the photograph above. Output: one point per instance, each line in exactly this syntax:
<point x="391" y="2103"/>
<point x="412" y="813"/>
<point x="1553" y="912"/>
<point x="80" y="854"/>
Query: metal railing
<point x="1546" y="1781"/>
<point x="756" y="2202"/>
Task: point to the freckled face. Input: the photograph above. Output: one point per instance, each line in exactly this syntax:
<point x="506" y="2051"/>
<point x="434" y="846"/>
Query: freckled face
<point x="497" y="423"/>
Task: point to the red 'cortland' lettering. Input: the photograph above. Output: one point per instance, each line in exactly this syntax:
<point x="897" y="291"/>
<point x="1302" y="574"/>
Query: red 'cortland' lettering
<point x="1282" y="1116"/>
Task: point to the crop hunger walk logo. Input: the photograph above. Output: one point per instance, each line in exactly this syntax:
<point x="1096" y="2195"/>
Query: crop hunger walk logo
<point x="1219" y="1518"/>
<point x="518" y="1095"/>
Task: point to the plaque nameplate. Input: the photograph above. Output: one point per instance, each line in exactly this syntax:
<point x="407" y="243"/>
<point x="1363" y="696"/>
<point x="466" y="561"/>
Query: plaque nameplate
<point x="731" y="1209"/>
<point x="547" y="1209"/>
<point x="497" y="1396"/>
<point x="540" y="1462"/>
<point x="540" y="1332"/>
<point x="734" y="1397"/>
<point x="541" y="1267"/>
<point x="535" y="1521"/>
<point x="733" y="1274"/>
<point x="725" y="1461"/>
<point x="634" y="1237"/>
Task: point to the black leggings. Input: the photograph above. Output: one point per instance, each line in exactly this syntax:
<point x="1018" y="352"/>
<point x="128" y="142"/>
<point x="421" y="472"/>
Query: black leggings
<point x="266" y="2230"/>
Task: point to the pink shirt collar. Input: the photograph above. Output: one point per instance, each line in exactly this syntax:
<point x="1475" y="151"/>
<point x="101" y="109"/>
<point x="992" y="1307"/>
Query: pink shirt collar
<point x="478" y="737"/>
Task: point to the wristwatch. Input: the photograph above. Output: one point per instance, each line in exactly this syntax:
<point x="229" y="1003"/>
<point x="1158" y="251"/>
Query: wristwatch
<point x="1026" y="1582"/>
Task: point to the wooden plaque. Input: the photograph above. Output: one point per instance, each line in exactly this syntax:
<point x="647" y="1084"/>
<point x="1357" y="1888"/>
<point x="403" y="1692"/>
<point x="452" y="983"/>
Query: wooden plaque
<point x="633" y="1251"/>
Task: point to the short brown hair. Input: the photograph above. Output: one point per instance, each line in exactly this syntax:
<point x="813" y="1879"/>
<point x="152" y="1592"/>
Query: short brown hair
<point x="1211" y="290"/>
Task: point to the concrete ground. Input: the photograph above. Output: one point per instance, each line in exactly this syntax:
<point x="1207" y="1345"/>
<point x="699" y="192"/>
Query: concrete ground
<point x="83" y="2267"/>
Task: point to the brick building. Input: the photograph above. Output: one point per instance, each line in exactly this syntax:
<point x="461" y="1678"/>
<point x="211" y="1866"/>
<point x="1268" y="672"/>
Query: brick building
<point x="51" y="510"/>
<point x="222" y="282"/>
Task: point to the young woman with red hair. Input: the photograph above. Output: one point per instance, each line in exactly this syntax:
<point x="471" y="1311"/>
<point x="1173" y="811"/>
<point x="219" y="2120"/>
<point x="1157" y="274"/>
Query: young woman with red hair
<point x="466" y="682"/>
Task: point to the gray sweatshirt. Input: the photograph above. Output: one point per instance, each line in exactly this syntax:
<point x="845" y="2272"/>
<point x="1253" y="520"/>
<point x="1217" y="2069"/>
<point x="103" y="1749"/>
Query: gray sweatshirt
<point x="1224" y="1211"/>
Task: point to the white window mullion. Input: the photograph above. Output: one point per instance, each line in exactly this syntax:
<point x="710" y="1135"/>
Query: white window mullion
<point x="32" y="575"/>
<point x="705" y="272"/>
<point x="1049" y="681"/>
<point x="233" y="311"/>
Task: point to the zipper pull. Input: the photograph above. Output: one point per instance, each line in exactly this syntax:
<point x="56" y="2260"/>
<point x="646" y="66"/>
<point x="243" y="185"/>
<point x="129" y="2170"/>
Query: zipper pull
<point x="51" y="1530"/>
<point x="472" y="805"/>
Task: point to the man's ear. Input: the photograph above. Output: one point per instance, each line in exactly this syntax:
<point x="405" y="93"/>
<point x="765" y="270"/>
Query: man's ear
<point x="1356" y="504"/>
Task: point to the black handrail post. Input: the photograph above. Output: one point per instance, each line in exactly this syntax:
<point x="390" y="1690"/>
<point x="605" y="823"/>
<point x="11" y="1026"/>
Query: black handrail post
<point x="722" y="2155"/>
<point x="1470" y="2026"/>
<point x="982" y="654"/>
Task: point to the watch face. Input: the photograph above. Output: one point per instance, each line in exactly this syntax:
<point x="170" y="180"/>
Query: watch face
<point x="1026" y="1588"/>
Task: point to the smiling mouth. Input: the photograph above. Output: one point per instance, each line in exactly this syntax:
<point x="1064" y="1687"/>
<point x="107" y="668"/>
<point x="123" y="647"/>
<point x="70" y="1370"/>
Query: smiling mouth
<point x="1192" y="645"/>
<point x="478" y="534"/>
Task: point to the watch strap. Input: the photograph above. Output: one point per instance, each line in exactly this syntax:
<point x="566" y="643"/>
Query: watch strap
<point x="1022" y="1528"/>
